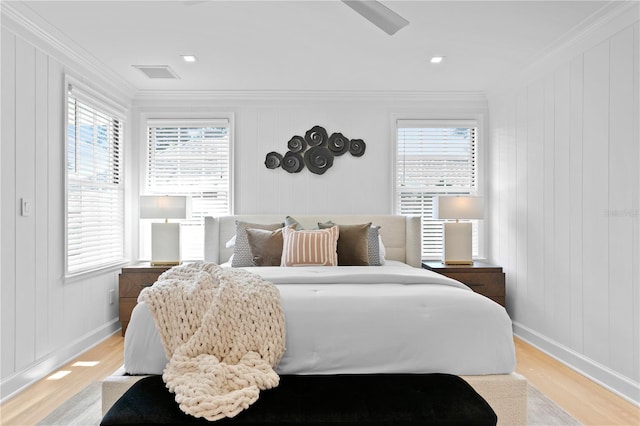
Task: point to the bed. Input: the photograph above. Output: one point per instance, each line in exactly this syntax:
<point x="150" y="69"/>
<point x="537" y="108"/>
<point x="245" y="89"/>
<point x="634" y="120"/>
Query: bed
<point x="392" y="318"/>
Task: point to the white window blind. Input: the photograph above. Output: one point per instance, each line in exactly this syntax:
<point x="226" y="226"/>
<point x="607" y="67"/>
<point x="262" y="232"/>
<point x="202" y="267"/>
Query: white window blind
<point x="95" y="192"/>
<point x="190" y="157"/>
<point x="434" y="158"/>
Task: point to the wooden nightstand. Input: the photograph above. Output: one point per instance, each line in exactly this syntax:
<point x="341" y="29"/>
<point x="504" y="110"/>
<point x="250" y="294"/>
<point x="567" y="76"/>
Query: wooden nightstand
<point x="132" y="280"/>
<point x="481" y="277"/>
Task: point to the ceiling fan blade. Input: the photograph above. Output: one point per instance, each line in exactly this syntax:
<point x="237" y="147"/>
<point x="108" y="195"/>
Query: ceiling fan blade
<point x="378" y="14"/>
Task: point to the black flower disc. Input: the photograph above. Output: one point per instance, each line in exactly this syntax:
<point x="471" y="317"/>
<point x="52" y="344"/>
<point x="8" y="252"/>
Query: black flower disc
<point x="316" y="136"/>
<point x="318" y="159"/>
<point x="273" y="160"/>
<point x="292" y="162"/>
<point x="338" y="144"/>
<point x="357" y="147"/>
<point x="297" y="144"/>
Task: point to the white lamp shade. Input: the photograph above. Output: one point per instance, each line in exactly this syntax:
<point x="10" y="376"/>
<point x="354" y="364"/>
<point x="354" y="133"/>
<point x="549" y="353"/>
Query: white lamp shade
<point x="164" y="207"/>
<point x="458" y="207"/>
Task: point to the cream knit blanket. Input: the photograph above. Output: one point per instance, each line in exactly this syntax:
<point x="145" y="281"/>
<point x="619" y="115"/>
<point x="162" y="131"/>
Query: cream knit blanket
<point x="223" y="332"/>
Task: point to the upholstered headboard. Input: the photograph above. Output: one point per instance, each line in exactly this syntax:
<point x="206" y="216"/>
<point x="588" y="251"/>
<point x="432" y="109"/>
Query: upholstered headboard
<point x="401" y="235"/>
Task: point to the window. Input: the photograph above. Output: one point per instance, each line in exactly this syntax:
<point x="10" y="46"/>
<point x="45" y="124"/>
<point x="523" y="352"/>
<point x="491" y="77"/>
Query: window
<point x="434" y="157"/>
<point x="95" y="192"/>
<point x="190" y="157"/>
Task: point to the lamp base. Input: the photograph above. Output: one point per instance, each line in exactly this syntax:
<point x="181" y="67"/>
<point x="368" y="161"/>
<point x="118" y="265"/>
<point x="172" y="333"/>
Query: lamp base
<point x="165" y="244"/>
<point x="457" y="244"/>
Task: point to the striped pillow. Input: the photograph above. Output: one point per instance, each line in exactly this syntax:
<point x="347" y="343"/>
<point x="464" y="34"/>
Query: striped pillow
<point x="310" y="247"/>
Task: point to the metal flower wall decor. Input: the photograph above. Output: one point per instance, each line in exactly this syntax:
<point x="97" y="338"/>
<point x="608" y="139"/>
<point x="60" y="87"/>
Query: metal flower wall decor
<point x="316" y="151"/>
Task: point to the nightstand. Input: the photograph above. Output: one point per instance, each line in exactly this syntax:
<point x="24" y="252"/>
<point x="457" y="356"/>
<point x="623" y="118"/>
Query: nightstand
<point x="132" y="280"/>
<point x="481" y="277"/>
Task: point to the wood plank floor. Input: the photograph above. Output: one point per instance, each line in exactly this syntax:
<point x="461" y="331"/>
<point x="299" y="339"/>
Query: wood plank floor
<point x="588" y="402"/>
<point x="585" y="400"/>
<point x="38" y="400"/>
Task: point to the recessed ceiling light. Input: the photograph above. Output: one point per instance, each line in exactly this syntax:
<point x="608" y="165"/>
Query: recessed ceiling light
<point x="189" y="58"/>
<point x="437" y="59"/>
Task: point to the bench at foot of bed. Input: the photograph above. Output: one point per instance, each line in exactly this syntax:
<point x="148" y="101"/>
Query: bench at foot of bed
<point x="392" y="399"/>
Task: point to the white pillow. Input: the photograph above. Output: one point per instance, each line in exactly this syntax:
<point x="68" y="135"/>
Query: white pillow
<point x="231" y="242"/>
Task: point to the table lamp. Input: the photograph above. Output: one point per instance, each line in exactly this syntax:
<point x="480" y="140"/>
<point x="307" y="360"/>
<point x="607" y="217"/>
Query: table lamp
<point x="165" y="237"/>
<point x="457" y="249"/>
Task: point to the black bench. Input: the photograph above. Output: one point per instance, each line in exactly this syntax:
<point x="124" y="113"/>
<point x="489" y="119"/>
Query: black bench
<point x="381" y="399"/>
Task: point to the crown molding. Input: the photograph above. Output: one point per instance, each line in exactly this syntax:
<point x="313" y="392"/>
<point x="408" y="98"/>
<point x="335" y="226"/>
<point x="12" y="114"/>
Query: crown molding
<point x="144" y="96"/>
<point x="599" y="26"/>
<point x="597" y="21"/>
<point x="18" y="18"/>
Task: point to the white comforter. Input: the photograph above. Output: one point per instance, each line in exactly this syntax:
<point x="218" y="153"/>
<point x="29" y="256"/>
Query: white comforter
<point x="347" y="320"/>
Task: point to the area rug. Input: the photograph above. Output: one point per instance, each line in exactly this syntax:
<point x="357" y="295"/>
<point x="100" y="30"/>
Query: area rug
<point x="84" y="409"/>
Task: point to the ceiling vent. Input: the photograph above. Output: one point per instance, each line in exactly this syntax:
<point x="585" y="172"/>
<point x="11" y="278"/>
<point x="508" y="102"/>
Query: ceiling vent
<point x="157" y="71"/>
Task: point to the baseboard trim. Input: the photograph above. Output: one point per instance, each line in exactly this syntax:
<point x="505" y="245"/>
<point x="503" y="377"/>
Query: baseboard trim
<point x="603" y="375"/>
<point x="15" y="383"/>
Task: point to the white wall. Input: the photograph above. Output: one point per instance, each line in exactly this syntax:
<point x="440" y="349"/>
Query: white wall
<point x="266" y="122"/>
<point x="564" y="160"/>
<point x="353" y="185"/>
<point x="564" y="197"/>
<point x="45" y="318"/>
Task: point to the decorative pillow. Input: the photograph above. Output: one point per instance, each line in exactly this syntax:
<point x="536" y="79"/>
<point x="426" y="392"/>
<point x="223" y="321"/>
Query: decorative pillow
<point x="373" y="246"/>
<point x="383" y="250"/>
<point x="310" y="247"/>
<point x="353" y="243"/>
<point x="289" y="221"/>
<point x="266" y="246"/>
<point x="242" y="251"/>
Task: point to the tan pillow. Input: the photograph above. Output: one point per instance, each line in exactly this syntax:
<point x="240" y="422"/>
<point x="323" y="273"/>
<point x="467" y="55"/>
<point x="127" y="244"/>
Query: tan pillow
<point x="353" y="243"/>
<point x="266" y="246"/>
<point x="315" y="247"/>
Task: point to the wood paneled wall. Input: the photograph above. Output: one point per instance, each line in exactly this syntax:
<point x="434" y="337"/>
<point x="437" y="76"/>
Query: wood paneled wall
<point x="352" y="185"/>
<point x="45" y="318"/>
<point x="564" y="191"/>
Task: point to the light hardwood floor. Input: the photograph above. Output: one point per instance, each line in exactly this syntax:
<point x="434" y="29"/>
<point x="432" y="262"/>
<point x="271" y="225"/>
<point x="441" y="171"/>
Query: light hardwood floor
<point x="583" y="399"/>
<point x="38" y="400"/>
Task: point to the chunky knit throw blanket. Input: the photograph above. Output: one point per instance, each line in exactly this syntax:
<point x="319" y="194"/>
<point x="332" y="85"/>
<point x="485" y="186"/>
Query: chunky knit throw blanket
<point x="223" y="332"/>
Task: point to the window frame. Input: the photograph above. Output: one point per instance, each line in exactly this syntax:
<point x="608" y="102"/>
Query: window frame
<point x="480" y="147"/>
<point x="180" y="117"/>
<point x="108" y="106"/>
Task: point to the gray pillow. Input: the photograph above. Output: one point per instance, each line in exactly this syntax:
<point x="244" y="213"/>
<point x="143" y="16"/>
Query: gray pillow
<point x="242" y="255"/>
<point x="374" y="246"/>
<point x="289" y="221"/>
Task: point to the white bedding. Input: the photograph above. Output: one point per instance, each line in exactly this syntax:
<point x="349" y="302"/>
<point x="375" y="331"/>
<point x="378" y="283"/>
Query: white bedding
<point x="347" y="320"/>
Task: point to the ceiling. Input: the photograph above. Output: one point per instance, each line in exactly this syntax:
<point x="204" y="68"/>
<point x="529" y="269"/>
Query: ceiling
<point x="313" y="45"/>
